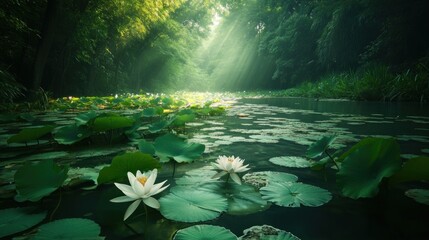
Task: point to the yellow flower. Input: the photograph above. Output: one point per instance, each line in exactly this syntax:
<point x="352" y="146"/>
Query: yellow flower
<point x="141" y="189"/>
<point x="230" y="165"/>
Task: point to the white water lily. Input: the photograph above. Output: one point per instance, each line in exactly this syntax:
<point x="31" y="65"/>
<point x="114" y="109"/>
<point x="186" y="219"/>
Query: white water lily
<point x="141" y="189"/>
<point x="230" y="165"/>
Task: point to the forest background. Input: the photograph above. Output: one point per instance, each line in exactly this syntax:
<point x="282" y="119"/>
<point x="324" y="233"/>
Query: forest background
<point x="358" y="49"/>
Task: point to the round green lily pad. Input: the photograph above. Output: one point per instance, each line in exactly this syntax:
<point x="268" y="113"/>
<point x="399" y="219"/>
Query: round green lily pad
<point x="204" y="232"/>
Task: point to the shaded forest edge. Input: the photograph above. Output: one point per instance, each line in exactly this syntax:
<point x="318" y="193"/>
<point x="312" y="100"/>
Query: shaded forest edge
<point x="354" y="49"/>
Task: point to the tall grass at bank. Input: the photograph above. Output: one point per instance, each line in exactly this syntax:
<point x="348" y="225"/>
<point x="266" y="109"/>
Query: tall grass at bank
<point x="374" y="83"/>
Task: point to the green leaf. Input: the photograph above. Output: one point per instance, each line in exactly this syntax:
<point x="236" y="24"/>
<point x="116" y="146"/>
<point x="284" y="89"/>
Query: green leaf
<point x="29" y="134"/>
<point x="295" y="194"/>
<point x="127" y="162"/>
<point x="267" y="232"/>
<point x="172" y="146"/>
<point x="85" y="118"/>
<point x="415" y="169"/>
<point x="261" y="179"/>
<point x="146" y="147"/>
<point x="365" y="166"/>
<point x="152" y="112"/>
<point x="27" y="117"/>
<point x="318" y="148"/>
<point x="281" y="236"/>
<point x="206" y="232"/>
<point x="69" y="228"/>
<point x="71" y="134"/>
<point x="34" y="181"/>
<point x="192" y="205"/>
<point x="14" y="220"/>
<point x="419" y="195"/>
<point x="291" y="161"/>
<point x="102" y="124"/>
<point x="158" y="126"/>
<point x="243" y="199"/>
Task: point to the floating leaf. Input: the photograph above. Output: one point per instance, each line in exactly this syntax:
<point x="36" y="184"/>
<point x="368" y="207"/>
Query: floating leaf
<point x="14" y="220"/>
<point x="30" y="134"/>
<point x="365" y="166"/>
<point x="146" y="147"/>
<point x="27" y="117"/>
<point x="261" y="179"/>
<point x="318" y="148"/>
<point x="267" y="232"/>
<point x="419" y="195"/>
<point x="415" y="169"/>
<point x="69" y="228"/>
<point x="127" y="162"/>
<point x="206" y="232"/>
<point x="85" y="118"/>
<point x="106" y="123"/>
<point x="71" y="134"/>
<point x="172" y="146"/>
<point x="34" y="181"/>
<point x="152" y="112"/>
<point x="295" y="194"/>
<point x="291" y="161"/>
<point x="158" y="126"/>
<point x="192" y="205"/>
<point x="46" y="155"/>
<point x="243" y="199"/>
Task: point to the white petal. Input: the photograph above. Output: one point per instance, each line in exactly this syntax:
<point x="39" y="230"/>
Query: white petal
<point x="122" y="199"/>
<point x="131" y="177"/>
<point x="219" y="174"/>
<point x="127" y="190"/>
<point x="236" y="178"/>
<point x="131" y="209"/>
<point x="138" y="188"/>
<point x="139" y="174"/>
<point x="156" y="188"/>
<point x="151" y="180"/>
<point x="151" y="202"/>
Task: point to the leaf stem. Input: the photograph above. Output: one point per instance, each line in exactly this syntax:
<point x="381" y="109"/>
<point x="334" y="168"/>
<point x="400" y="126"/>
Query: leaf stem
<point x="56" y="207"/>
<point x="329" y="155"/>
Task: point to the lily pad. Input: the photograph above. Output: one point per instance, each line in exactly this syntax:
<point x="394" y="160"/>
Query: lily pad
<point x="319" y="147"/>
<point x="46" y="155"/>
<point x="85" y="118"/>
<point x="158" y="126"/>
<point x="30" y="134"/>
<point x="71" y="134"/>
<point x="192" y="205"/>
<point x="295" y="194"/>
<point x="419" y="195"/>
<point x="146" y="147"/>
<point x="69" y="228"/>
<point x="14" y="220"/>
<point x="415" y="169"/>
<point x="366" y="164"/>
<point x="206" y="232"/>
<point x="127" y="162"/>
<point x="106" y="123"/>
<point x="172" y="146"/>
<point x="262" y="179"/>
<point x="291" y="161"/>
<point x="152" y="112"/>
<point x="267" y="232"/>
<point x="34" y="181"/>
<point x="243" y="199"/>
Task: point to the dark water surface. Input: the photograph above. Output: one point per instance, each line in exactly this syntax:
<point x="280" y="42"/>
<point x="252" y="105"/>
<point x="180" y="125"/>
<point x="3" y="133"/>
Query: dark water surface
<point x="271" y="128"/>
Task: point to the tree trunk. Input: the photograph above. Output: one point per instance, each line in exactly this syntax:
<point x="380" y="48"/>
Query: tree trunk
<point x="45" y="43"/>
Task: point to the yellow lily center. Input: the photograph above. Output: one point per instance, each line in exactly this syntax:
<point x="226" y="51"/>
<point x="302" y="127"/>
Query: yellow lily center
<point x="142" y="180"/>
<point x="230" y="159"/>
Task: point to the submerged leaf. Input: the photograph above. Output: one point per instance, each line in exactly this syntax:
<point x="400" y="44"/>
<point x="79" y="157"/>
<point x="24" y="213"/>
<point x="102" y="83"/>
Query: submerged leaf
<point x="206" y="232"/>
<point x="365" y="166"/>
<point x="34" y="181"/>
<point x="14" y="220"/>
<point x="295" y="194"/>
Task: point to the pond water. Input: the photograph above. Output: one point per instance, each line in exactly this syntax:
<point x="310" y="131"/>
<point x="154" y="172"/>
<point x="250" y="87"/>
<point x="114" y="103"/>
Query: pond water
<point x="256" y="130"/>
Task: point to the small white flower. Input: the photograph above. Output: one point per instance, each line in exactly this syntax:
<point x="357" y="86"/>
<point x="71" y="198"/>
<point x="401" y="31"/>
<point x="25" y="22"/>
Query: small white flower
<point x="141" y="188"/>
<point x="230" y="165"/>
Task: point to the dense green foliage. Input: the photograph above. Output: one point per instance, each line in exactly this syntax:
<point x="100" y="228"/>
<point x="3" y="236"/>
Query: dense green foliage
<point x="87" y="47"/>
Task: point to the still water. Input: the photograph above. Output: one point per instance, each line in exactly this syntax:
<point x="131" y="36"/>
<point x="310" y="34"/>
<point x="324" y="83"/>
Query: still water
<point x="257" y="130"/>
